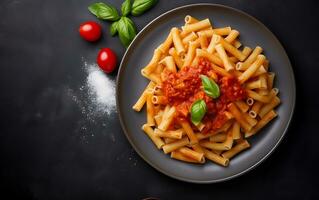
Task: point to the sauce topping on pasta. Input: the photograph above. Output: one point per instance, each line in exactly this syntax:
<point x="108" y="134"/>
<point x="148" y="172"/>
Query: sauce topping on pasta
<point x="184" y="87"/>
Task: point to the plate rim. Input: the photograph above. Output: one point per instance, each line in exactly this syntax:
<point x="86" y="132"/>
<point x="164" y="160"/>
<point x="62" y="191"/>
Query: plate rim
<point x="126" y="132"/>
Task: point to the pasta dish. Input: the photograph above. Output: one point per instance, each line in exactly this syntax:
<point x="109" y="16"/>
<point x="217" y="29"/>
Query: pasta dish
<point x="207" y="93"/>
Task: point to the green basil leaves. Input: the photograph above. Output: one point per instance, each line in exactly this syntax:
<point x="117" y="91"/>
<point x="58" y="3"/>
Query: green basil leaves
<point x="198" y="111"/>
<point x="126" y="7"/>
<point x="210" y="87"/>
<point x="124" y="26"/>
<point x="104" y="11"/>
<point x="113" y="28"/>
<point x="140" y="6"/>
<point x="126" y="30"/>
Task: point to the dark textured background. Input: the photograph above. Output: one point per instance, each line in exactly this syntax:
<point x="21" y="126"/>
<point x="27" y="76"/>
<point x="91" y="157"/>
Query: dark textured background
<point x="45" y="152"/>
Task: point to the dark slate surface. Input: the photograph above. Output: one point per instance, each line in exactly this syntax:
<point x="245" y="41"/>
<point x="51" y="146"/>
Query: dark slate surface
<point x="50" y="149"/>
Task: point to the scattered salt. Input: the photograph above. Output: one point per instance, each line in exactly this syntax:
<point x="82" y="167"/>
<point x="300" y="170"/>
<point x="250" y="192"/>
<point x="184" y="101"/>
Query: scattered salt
<point x="95" y="99"/>
<point x="101" y="89"/>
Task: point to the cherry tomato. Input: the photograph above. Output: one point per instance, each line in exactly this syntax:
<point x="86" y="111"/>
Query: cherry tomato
<point x="106" y="59"/>
<point x="90" y="31"/>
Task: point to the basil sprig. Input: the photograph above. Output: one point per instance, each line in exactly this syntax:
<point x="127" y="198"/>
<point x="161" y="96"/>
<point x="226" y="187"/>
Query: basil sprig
<point x="122" y="25"/>
<point x="126" y="30"/>
<point x="140" y="6"/>
<point x="126" y="7"/>
<point x="104" y="11"/>
<point x="198" y="111"/>
<point x="210" y="87"/>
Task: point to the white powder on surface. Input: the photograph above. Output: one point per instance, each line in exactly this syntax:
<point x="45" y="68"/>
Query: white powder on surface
<point x="96" y="101"/>
<point x="101" y="89"/>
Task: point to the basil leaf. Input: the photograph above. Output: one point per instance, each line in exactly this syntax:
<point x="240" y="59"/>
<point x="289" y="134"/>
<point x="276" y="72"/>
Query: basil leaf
<point x="210" y="87"/>
<point x="140" y="6"/>
<point x="126" y="30"/>
<point x="113" y="28"/>
<point x="104" y="11"/>
<point x="198" y="111"/>
<point x="126" y="7"/>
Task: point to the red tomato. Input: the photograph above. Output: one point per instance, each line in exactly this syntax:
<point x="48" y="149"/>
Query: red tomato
<point x="106" y="59"/>
<point x="90" y="31"/>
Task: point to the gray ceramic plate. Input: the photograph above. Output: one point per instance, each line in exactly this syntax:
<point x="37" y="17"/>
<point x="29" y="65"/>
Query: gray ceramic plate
<point x="130" y="85"/>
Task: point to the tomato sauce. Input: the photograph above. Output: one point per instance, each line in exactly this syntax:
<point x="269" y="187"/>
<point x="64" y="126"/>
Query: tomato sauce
<point x="184" y="87"/>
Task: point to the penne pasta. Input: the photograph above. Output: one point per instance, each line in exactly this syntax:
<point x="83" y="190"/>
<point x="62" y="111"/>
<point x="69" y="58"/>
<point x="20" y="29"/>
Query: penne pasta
<point x="167" y="148"/>
<point x="221" y="137"/>
<point x="214" y="145"/>
<point x="256" y="107"/>
<point x="167" y="44"/>
<point x="225" y="127"/>
<point x="177" y="41"/>
<point x="239" y="116"/>
<point x="258" y="97"/>
<point x="158" y="117"/>
<point x="237" y="148"/>
<point x="198" y="148"/>
<point x="141" y="101"/>
<point x="150" y="132"/>
<point x="222" y="31"/>
<point x="167" y="118"/>
<point x="236" y="44"/>
<point x="233" y="59"/>
<point x="216" y="158"/>
<point x="190" y="53"/>
<point x="157" y="90"/>
<point x="263" y="92"/>
<point x="220" y="71"/>
<point x="270" y="79"/>
<point x="236" y="131"/>
<point x="211" y="57"/>
<point x="229" y="139"/>
<point x="174" y="134"/>
<point x="169" y="62"/>
<point x="189" y="132"/>
<point x="251" y="121"/>
<point x="168" y="140"/>
<point x="150" y="67"/>
<point x="252" y="114"/>
<point x="189" y="38"/>
<point x="232" y="36"/>
<point x="154" y="77"/>
<point x="242" y="105"/>
<point x="263" y="81"/>
<point x="177" y="59"/>
<point x="196" y="26"/>
<point x="150" y="111"/>
<point x="263" y="121"/>
<point x="222" y="54"/>
<point x="179" y="156"/>
<point x="252" y="69"/>
<point x="254" y="84"/>
<point x="250" y="101"/>
<point x="190" y="20"/>
<point x="199" y="157"/>
<point x="159" y="100"/>
<point x="253" y="56"/>
<point x="268" y="107"/>
<point x="260" y="71"/>
<point x="232" y="50"/>
<point x="203" y="41"/>
<point x="246" y="51"/>
<point x="211" y="47"/>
